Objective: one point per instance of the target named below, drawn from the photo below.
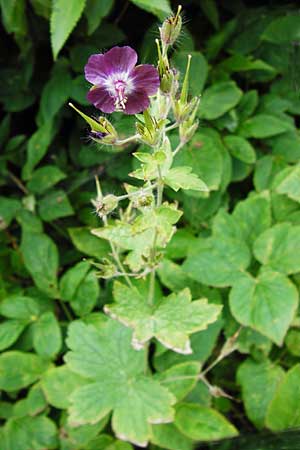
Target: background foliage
(238, 246)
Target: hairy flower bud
(102, 130)
(105, 205)
(150, 130)
(106, 269)
(171, 27)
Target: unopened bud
(149, 131)
(106, 269)
(105, 205)
(187, 130)
(102, 130)
(171, 27)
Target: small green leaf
(171, 322)
(182, 178)
(279, 248)
(88, 244)
(10, 330)
(20, 307)
(55, 92)
(44, 178)
(64, 16)
(167, 436)
(33, 404)
(202, 424)
(54, 206)
(267, 303)
(30, 433)
(95, 11)
(42, 264)
(80, 287)
(14, 16)
(25, 367)
(292, 342)
(284, 409)
(218, 99)
(159, 8)
(47, 339)
(288, 182)
(181, 378)
(8, 210)
(116, 382)
(37, 147)
(284, 29)
(240, 148)
(262, 126)
(58, 383)
(259, 381)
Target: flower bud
(187, 130)
(106, 269)
(171, 27)
(105, 205)
(149, 131)
(102, 130)
(168, 76)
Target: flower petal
(96, 71)
(137, 102)
(120, 59)
(100, 98)
(145, 78)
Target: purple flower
(118, 84)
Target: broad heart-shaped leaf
(279, 248)
(170, 322)
(259, 381)
(183, 178)
(218, 99)
(65, 14)
(284, 409)
(288, 182)
(115, 382)
(204, 154)
(253, 216)
(267, 303)
(217, 261)
(202, 423)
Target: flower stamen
(120, 99)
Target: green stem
(65, 310)
(117, 258)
